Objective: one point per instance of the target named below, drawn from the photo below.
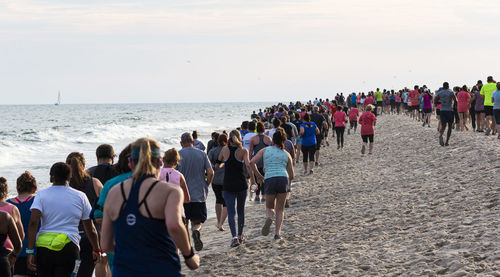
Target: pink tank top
(8, 244)
(171, 176)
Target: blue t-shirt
(309, 136)
(496, 97)
(354, 99)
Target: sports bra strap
(145, 197)
(124, 197)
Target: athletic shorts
(488, 110)
(196, 211)
(427, 110)
(219, 199)
(447, 117)
(365, 138)
(438, 111)
(319, 138)
(378, 104)
(353, 123)
(496, 114)
(275, 185)
(299, 141)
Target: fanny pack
(52, 241)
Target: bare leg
(270, 202)
(218, 210)
(370, 147)
(223, 216)
(280, 211)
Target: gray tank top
(259, 147)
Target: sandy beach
(413, 208)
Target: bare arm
(210, 175)
(32, 230)
(97, 186)
(17, 219)
(302, 131)
(107, 232)
(15, 239)
(254, 161)
(175, 227)
(91, 232)
(317, 131)
(246, 160)
(187, 197)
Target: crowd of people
(135, 216)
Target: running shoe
(267, 226)
(263, 200)
(311, 171)
(488, 131)
(235, 242)
(198, 244)
(305, 172)
(241, 239)
(363, 149)
(441, 141)
(277, 237)
(257, 199)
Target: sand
(413, 208)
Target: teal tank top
(275, 161)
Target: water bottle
(76, 268)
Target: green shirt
(487, 90)
(378, 95)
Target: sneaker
(286, 204)
(241, 239)
(198, 244)
(267, 226)
(327, 143)
(348, 131)
(498, 137)
(363, 149)
(277, 237)
(446, 144)
(235, 242)
(263, 200)
(441, 141)
(488, 131)
(311, 171)
(316, 164)
(338, 147)
(257, 199)
(305, 172)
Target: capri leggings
(340, 135)
(308, 153)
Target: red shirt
(463, 98)
(368, 100)
(413, 97)
(339, 118)
(353, 114)
(366, 120)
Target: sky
(236, 51)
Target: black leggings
(472, 113)
(340, 135)
(87, 266)
(56, 263)
(308, 153)
(4, 264)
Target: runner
(367, 121)
(10, 209)
(26, 189)
(58, 237)
(143, 219)
(234, 156)
(211, 143)
(251, 133)
(379, 98)
(297, 122)
(479, 109)
(340, 120)
(495, 98)
(447, 98)
(258, 143)
(196, 143)
(82, 181)
(353, 120)
(194, 165)
(308, 133)
(8, 229)
(427, 108)
(104, 170)
(279, 171)
(218, 182)
(487, 91)
(321, 123)
(463, 98)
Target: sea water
(33, 137)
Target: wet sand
(413, 208)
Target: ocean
(33, 137)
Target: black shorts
(488, 110)
(319, 138)
(275, 185)
(427, 110)
(479, 112)
(219, 199)
(438, 111)
(196, 211)
(496, 115)
(353, 124)
(367, 137)
(447, 117)
(21, 268)
(379, 104)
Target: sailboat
(58, 99)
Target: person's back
(103, 172)
(261, 145)
(353, 114)
(309, 136)
(318, 119)
(234, 177)
(275, 162)
(487, 90)
(446, 96)
(213, 156)
(462, 101)
(246, 139)
(366, 120)
(192, 165)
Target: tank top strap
(143, 201)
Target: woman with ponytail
(279, 172)
(235, 186)
(82, 181)
(142, 221)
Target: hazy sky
(253, 50)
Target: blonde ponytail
(144, 154)
(235, 138)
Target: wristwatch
(190, 255)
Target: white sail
(58, 99)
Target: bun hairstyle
(171, 157)
(144, 155)
(279, 138)
(222, 140)
(235, 138)
(4, 188)
(77, 163)
(26, 183)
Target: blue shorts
(447, 117)
(275, 185)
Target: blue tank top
(143, 246)
(275, 162)
(309, 136)
(25, 212)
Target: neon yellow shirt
(378, 95)
(487, 90)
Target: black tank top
(88, 189)
(259, 147)
(103, 172)
(234, 178)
